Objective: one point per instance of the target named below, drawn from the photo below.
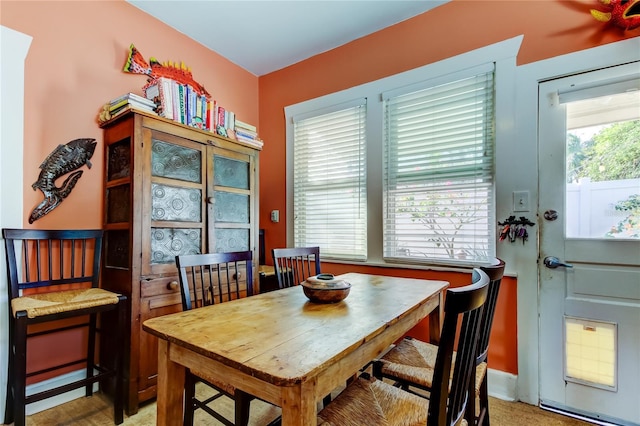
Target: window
(438, 180)
(400, 171)
(330, 208)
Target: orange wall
(74, 66)
(550, 28)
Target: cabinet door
(231, 200)
(173, 207)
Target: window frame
(502, 54)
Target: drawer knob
(210, 200)
(173, 285)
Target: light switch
(275, 216)
(521, 201)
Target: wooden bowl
(325, 288)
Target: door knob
(553, 262)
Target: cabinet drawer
(160, 286)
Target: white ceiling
(262, 36)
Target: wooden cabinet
(169, 189)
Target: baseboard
(502, 385)
(45, 404)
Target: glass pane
(232, 240)
(117, 249)
(118, 165)
(118, 204)
(176, 162)
(172, 203)
(230, 173)
(603, 175)
(167, 243)
(231, 207)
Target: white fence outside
(591, 209)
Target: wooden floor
(97, 410)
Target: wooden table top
(282, 338)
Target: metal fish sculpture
(137, 65)
(62, 160)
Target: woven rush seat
(378, 403)
(37, 305)
(413, 360)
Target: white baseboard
(45, 404)
(502, 385)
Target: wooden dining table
(286, 350)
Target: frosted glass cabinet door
(175, 192)
(231, 208)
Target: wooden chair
(412, 361)
(206, 279)
(54, 275)
(370, 401)
(294, 265)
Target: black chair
(411, 362)
(54, 275)
(294, 265)
(370, 401)
(207, 279)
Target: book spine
(176, 101)
(167, 107)
(221, 115)
(181, 91)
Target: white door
(589, 210)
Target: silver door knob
(553, 262)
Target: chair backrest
(211, 278)
(495, 271)
(464, 305)
(48, 259)
(294, 265)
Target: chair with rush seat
(412, 361)
(207, 279)
(370, 401)
(54, 275)
(294, 265)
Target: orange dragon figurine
(624, 14)
(137, 65)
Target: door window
(603, 164)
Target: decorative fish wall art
(136, 64)
(62, 160)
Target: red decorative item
(624, 14)
(137, 65)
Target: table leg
(170, 388)
(299, 406)
(435, 320)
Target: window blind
(329, 182)
(438, 172)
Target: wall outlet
(275, 216)
(521, 201)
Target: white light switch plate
(521, 201)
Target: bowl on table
(325, 288)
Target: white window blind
(329, 177)
(438, 177)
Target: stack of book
(246, 132)
(130, 101)
(179, 102)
